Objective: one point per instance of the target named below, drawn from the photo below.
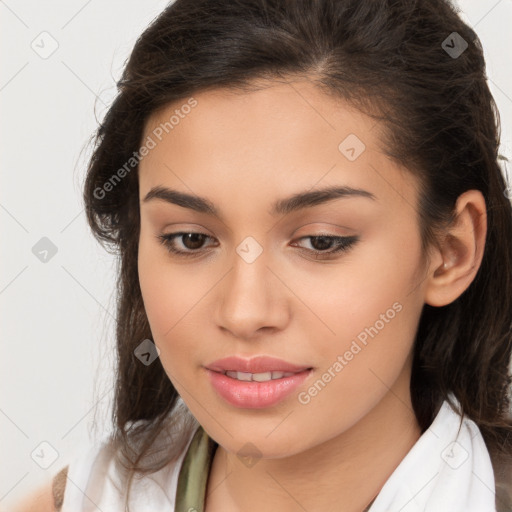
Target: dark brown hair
(387, 58)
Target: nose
(251, 299)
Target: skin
(243, 151)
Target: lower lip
(255, 395)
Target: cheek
(178, 306)
(170, 295)
(169, 290)
(366, 311)
(351, 294)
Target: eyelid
(319, 229)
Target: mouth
(248, 390)
(259, 377)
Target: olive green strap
(191, 489)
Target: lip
(252, 394)
(258, 364)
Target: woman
(315, 246)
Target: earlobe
(460, 252)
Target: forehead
(272, 141)
(290, 111)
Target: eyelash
(344, 243)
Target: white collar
(446, 470)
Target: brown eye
(192, 240)
(189, 242)
(322, 244)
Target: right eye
(191, 242)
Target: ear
(456, 261)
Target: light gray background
(58, 317)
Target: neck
(349, 469)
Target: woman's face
(253, 285)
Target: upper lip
(258, 364)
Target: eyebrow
(298, 201)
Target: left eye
(324, 243)
(192, 243)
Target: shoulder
(47, 497)
(55, 495)
(96, 472)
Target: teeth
(258, 377)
